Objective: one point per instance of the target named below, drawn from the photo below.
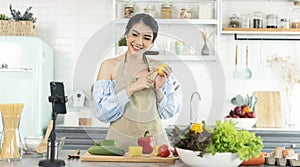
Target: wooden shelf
(184, 57)
(260, 31)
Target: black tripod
(52, 162)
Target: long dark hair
(143, 18)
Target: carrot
(255, 161)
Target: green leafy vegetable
(226, 138)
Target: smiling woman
(130, 94)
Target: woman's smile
(139, 38)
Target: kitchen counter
(29, 160)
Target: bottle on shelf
(295, 17)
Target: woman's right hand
(143, 82)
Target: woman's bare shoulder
(108, 67)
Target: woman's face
(139, 38)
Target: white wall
(67, 25)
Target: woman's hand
(162, 78)
(143, 82)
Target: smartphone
(57, 90)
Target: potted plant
(122, 45)
(19, 24)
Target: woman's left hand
(160, 80)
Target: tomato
(164, 150)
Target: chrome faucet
(191, 110)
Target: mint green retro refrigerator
(26, 68)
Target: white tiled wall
(65, 25)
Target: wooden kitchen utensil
(268, 109)
(236, 74)
(42, 147)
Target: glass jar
(166, 10)
(245, 21)
(149, 10)
(257, 20)
(272, 21)
(295, 18)
(129, 10)
(11, 145)
(234, 21)
(284, 23)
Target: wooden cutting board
(144, 158)
(268, 109)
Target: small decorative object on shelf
(185, 13)
(129, 10)
(166, 10)
(150, 10)
(284, 23)
(179, 47)
(205, 50)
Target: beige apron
(139, 116)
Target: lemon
(160, 69)
(197, 128)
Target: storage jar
(166, 10)
(257, 20)
(271, 20)
(234, 21)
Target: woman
(129, 94)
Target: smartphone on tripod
(57, 92)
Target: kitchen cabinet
(271, 137)
(176, 28)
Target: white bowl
(243, 123)
(192, 159)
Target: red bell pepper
(147, 142)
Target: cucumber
(106, 150)
(108, 142)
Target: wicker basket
(17, 28)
